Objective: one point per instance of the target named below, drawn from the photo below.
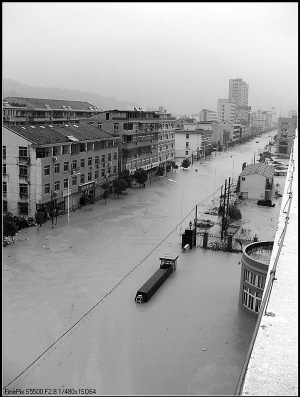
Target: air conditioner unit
(54, 158)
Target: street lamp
(232, 166)
(181, 203)
(206, 162)
(78, 173)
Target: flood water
(69, 295)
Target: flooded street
(69, 315)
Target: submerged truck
(168, 265)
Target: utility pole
(223, 215)
(228, 194)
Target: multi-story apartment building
(274, 117)
(207, 115)
(34, 111)
(225, 111)
(188, 143)
(285, 135)
(226, 134)
(238, 94)
(55, 165)
(147, 138)
(258, 119)
(292, 113)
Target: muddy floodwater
(69, 316)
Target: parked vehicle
(167, 266)
(266, 203)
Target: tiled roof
(34, 103)
(59, 134)
(258, 168)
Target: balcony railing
(24, 159)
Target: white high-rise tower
(238, 94)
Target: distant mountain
(14, 88)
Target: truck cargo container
(167, 266)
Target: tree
(234, 212)
(39, 217)
(140, 176)
(125, 174)
(9, 226)
(119, 185)
(160, 171)
(185, 163)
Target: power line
(102, 299)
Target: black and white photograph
(150, 198)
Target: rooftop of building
(46, 134)
(52, 104)
(260, 169)
(260, 251)
(271, 367)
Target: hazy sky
(177, 55)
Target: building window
(115, 169)
(103, 159)
(4, 206)
(96, 159)
(23, 151)
(187, 145)
(99, 126)
(187, 136)
(74, 180)
(89, 176)
(251, 299)
(90, 161)
(23, 189)
(82, 163)
(4, 169)
(243, 178)
(96, 174)
(186, 153)
(23, 170)
(74, 164)
(66, 166)
(4, 189)
(66, 183)
(115, 155)
(47, 188)
(56, 186)
(47, 170)
(65, 149)
(82, 178)
(4, 152)
(109, 157)
(102, 173)
(23, 208)
(116, 126)
(56, 168)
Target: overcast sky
(177, 55)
